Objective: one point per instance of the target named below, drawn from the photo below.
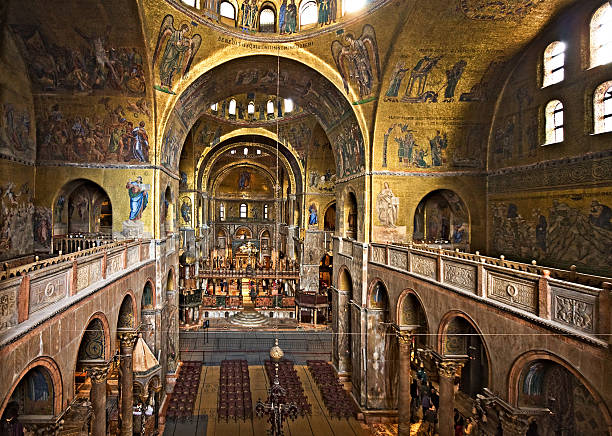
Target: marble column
(404, 398)
(344, 335)
(447, 370)
(127, 339)
(97, 375)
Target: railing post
(544, 303)
(481, 280)
(125, 259)
(73, 282)
(605, 312)
(23, 305)
(104, 263)
(386, 255)
(440, 266)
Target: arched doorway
(441, 217)
(168, 211)
(461, 338)
(34, 395)
(82, 207)
(546, 382)
(82, 216)
(329, 219)
(350, 216)
(410, 312)
(147, 315)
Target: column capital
(49, 428)
(404, 332)
(98, 372)
(513, 424)
(127, 338)
(448, 368)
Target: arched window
(265, 211)
(243, 210)
(554, 62)
(270, 107)
(308, 13)
(214, 107)
(192, 3)
(602, 107)
(601, 35)
(349, 6)
(554, 122)
(251, 108)
(226, 9)
(267, 20)
(288, 105)
(222, 212)
(232, 107)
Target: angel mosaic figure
(357, 60)
(179, 49)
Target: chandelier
(275, 407)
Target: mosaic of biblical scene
(433, 78)
(348, 143)
(17, 132)
(565, 230)
(92, 65)
(497, 10)
(420, 146)
(16, 227)
(172, 144)
(357, 61)
(174, 52)
(104, 131)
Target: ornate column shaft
(404, 398)
(127, 339)
(98, 374)
(447, 370)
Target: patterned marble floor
(318, 424)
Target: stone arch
(101, 325)
(329, 217)
(345, 281)
(378, 295)
(573, 390)
(411, 311)
(350, 207)
(324, 98)
(468, 340)
(147, 300)
(450, 223)
(247, 231)
(170, 284)
(52, 370)
(127, 317)
(168, 210)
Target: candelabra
(275, 407)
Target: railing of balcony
(579, 303)
(29, 288)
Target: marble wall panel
(48, 290)
(521, 294)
